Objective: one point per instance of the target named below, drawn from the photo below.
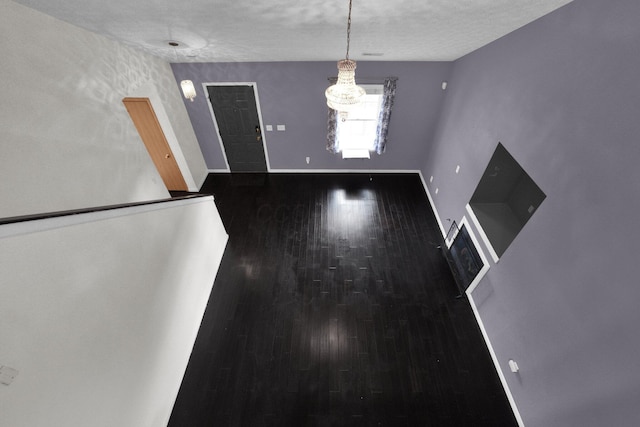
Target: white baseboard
(476, 313)
(496, 363)
(433, 206)
(371, 171)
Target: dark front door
(236, 114)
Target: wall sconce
(188, 89)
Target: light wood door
(236, 114)
(146, 122)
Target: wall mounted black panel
(504, 200)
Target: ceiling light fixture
(345, 94)
(188, 90)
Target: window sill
(355, 154)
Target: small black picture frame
(464, 259)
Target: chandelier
(345, 94)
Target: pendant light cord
(349, 29)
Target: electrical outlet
(307, 159)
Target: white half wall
(100, 315)
(67, 140)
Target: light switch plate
(7, 375)
(281, 128)
(269, 128)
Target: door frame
(254, 85)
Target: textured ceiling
(300, 30)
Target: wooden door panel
(146, 122)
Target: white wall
(100, 317)
(67, 140)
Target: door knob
(166, 156)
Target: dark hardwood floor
(334, 307)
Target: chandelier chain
(344, 95)
(349, 29)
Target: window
(357, 133)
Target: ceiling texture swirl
(296, 30)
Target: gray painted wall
(293, 94)
(563, 95)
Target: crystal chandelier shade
(343, 95)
